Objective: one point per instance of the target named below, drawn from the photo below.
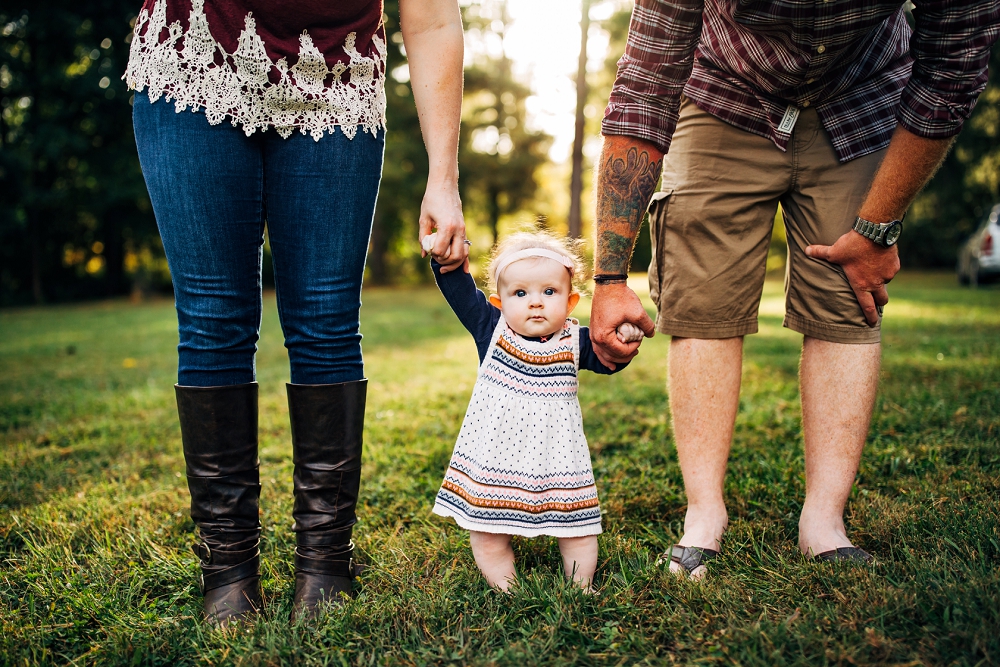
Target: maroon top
(279, 25)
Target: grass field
(94, 533)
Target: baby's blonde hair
(567, 247)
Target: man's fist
(613, 306)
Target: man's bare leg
(704, 386)
(838, 384)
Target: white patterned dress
(521, 465)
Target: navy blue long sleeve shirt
(480, 317)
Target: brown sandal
(688, 558)
(845, 553)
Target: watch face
(892, 234)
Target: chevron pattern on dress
(562, 370)
(489, 476)
(524, 504)
(590, 516)
(559, 355)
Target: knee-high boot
(327, 424)
(219, 431)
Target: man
(838, 111)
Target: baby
(521, 465)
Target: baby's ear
(574, 299)
(495, 300)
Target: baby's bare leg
(494, 557)
(579, 556)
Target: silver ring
(467, 242)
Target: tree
(576, 176)
(75, 215)
(498, 154)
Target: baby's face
(535, 296)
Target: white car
(979, 257)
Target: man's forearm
(909, 163)
(628, 175)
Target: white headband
(528, 253)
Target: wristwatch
(884, 234)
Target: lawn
(95, 566)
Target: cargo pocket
(657, 223)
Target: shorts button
(820, 49)
(805, 104)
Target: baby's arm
(474, 311)
(589, 360)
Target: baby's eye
(520, 292)
(549, 291)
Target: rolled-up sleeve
(951, 50)
(658, 58)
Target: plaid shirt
(753, 63)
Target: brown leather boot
(327, 424)
(219, 431)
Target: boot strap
(220, 557)
(245, 570)
(329, 538)
(333, 568)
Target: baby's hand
(629, 333)
(427, 243)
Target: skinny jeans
(213, 190)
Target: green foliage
(76, 219)
(94, 531)
(498, 155)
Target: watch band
(607, 278)
(877, 232)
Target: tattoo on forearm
(624, 189)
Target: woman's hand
(441, 210)
(434, 41)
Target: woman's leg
(579, 556)
(494, 557)
(320, 203)
(205, 186)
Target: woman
(287, 129)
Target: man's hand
(612, 306)
(869, 268)
(441, 208)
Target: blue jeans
(213, 189)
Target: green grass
(95, 566)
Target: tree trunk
(494, 206)
(114, 254)
(34, 234)
(576, 180)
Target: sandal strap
(845, 553)
(690, 558)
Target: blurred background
(76, 222)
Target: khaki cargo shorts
(711, 228)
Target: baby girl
(521, 464)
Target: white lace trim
(239, 88)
